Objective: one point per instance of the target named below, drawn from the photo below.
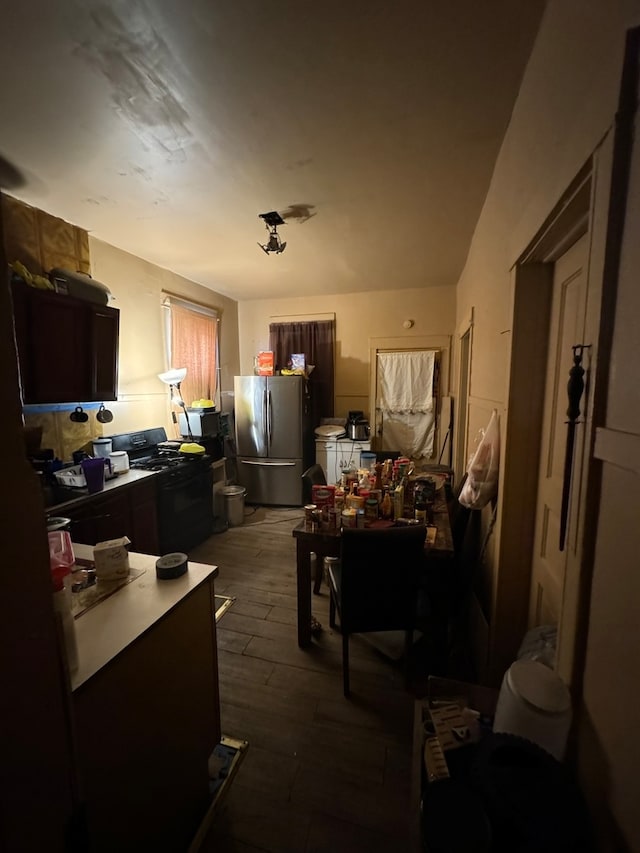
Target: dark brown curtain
(316, 340)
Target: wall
(137, 286)
(566, 105)
(359, 317)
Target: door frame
(582, 209)
(440, 343)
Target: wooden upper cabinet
(67, 347)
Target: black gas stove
(185, 486)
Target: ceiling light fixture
(274, 243)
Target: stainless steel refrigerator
(273, 429)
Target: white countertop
(103, 631)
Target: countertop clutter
(60, 498)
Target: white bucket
(233, 497)
(534, 703)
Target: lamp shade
(173, 376)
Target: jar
(338, 499)
(348, 517)
(371, 510)
(308, 516)
(354, 501)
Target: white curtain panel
(411, 433)
(406, 381)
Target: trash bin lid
(233, 490)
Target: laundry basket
(233, 497)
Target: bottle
(386, 507)
(62, 607)
(378, 480)
(420, 511)
(398, 502)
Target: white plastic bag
(481, 485)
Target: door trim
(531, 291)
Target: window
(191, 334)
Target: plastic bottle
(62, 607)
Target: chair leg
(345, 664)
(332, 611)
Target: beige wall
(137, 286)
(359, 317)
(566, 106)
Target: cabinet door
(144, 519)
(101, 518)
(54, 363)
(67, 347)
(112, 517)
(104, 352)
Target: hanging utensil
(575, 389)
(78, 415)
(104, 415)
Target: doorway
(566, 329)
(533, 373)
(441, 344)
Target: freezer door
(250, 402)
(285, 417)
(276, 482)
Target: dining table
(326, 543)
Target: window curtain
(406, 388)
(194, 346)
(317, 341)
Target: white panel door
(566, 330)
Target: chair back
(379, 573)
(313, 476)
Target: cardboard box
(265, 363)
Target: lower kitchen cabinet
(128, 511)
(147, 710)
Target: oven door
(185, 509)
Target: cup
(93, 470)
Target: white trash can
(233, 497)
(534, 703)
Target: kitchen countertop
(106, 629)
(59, 498)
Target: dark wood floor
(322, 773)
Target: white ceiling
(165, 127)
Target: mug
(93, 470)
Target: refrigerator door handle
(268, 419)
(268, 464)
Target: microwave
(203, 424)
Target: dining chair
(374, 587)
(313, 476)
